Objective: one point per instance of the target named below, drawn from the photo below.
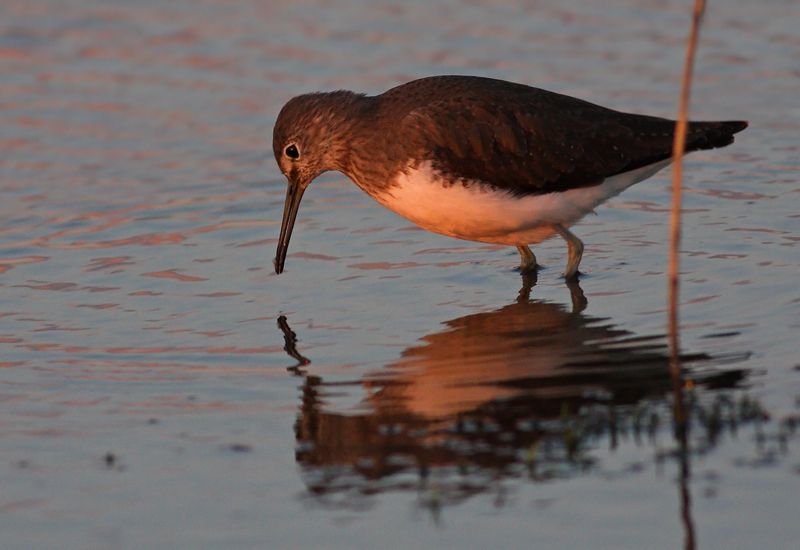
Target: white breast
(478, 212)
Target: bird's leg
(575, 250)
(528, 263)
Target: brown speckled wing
(530, 141)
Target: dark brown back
(528, 140)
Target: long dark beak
(294, 193)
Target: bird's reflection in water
(530, 390)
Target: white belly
(478, 212)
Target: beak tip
(294, 193)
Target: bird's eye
(291, 151)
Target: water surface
(160, 386)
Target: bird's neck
(361, 146)
(348, 123)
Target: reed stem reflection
(681, 434)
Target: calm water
(161, 387)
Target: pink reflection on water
(115, 264)
(65, 287)
(386, 266)
(173, 274)
(98, 306)
(154, 350)
(7, 264)
(732, 195)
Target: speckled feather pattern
(515, 138)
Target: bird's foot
(527, 260)
(526, 270)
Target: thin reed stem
(678, 148)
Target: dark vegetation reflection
(534, 390)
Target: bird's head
(309, 138)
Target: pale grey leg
(575, 250)
(528, 262)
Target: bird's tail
(710, 135)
